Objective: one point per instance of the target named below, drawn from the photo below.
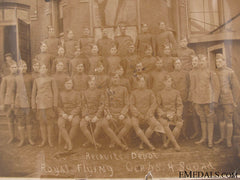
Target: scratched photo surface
(119, 89)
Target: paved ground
(32, 161)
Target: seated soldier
(142, 106)
(92, 112)
(130, 61)
(102, 79)
(123, 81)
(170, 108)
(93, 60)
(148, 60)
(68, 112)
(116, 110)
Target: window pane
(9, 14)
(212, 21)
(195, 5)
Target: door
(24, 43)
(10, 41)
(212, 51)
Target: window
(203, 15)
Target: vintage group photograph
(102, 89)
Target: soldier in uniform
(61, 58)
(170, 110)
(93, 60)
(130, 61)
(192, 75)
(78, 58)
(157, 76)
(181, 83)
(35, 67)
(105, 44)
(80, 78)
(123, 81)
(60, 76)
(44, 57)
(44, 103)
(116, 110)
(122, 41)
(148, 60)
(70, 45)
(22, 98)
(142, 106)
(52, 42)
(137, 76)
(185, 54)
(92, 112)
(168, 60)
(113, 61)
(7, 95)
(204, 93)
(5, 65)
(85, 42)
(143, 39)
(229, 98)
(69, 109)
(164, 38)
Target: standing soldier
(181, 83)
(164, 38)
(22, 98)
(204, 93)
(192, 75)
(185, 54)
(61, 58)
(68, 112)
(142, 106)
(70, 45)
(144, 39)
(123, 41)
(78, 58)
(130, 61)
(93, 60)
(52, 42)
(157, 76)
(80, 78)
(92, 112)
(35, 67)
(85, 42)
(170, 110)
(44, 57)
(8, 86)
(105, 44)
(148, 60)
(228, 100)
(44, 103)
(116, 108)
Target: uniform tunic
(136, 77)
(75, 61)
(44, 93)
(85, 44)
(123, 41)
(80, 81)
(112, 63)
(52, 44)
(181, 83)
(156, 80)
(93, 103)
(93, 62)
(143, 40)
(168, 62)
(65, 62)
(163, 39)
(8, 87)
(104, 46)
(184, 54)
(169, 101)
(117, 101)
(47, 59)
(69, 103)
(60, 78)
(149, 63)
(70, 47)
(130, 64)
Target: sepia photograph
(123, 89)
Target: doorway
(10, 41)
(212, 51)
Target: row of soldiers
(116, 91)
